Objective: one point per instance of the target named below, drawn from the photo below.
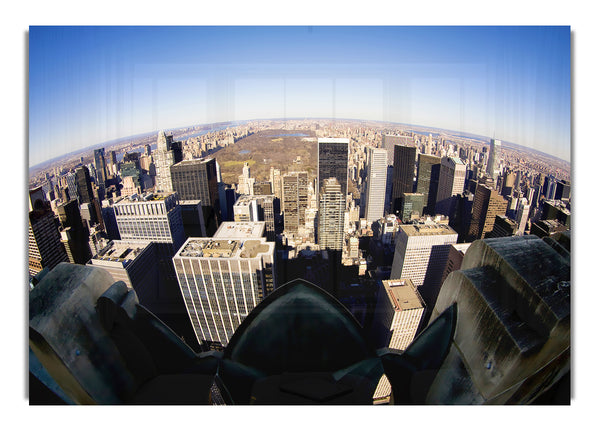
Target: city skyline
(89, 85)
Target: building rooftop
(335, 140)
(402, 294)
(246, 199)
(424, 229)
(194, 161)
(225, 248)
(148, 197)
(240, 230)
(120, 251)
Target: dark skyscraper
(84, 185)
(404, 171)
(75, 235)
(333, 162)
(44, 249)
(197, 180)
(428, 177)
(486, 206)
(100, 164)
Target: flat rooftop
(335, 140)
(194, 161)
(240, 230)
(244, 200)
(225, 248)
(148, 197)
(121, 250)
(425, 229)
(402, 294)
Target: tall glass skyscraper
(333, 162)
(376, 184)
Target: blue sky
(88, 85)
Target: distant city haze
(90, 85)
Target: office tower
(109, 219)
(295, 200)
(389, 143)
(563, 190)
(452, 182)
(508, 184)
(44, 248)
(158, 218)
(331, 216)
(167, 153)
(556, 210)
(376, 183)
(227, 198)
(134, 263)
(397, 317)
(84, 185)
(456, 253)
(503, 226)
(261, 188)
(421, 254)
(224, 277)
(522, 215)
(196, 179)
(275, 178)
(112, 157)
(487, 204)
(256, 208)
(428, 178)
(332, 162)
(153, 217)
(192, 216)
(411, 206)
(404, 172)
(101, 174)
(74, 234)
(494, 159)
(543, 228)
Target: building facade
(332, 162)
(404, 172)
(397, 318)
(376, 184)
(167, 153)
(223, 278)
(331, 216)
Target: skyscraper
(404, 172)
(44, 249)
(224, 277)
(332, 162)
(421, 255)
(74, 234)
(153, 217)
(295, 200)
(428, 178)
(376, 184)
(487, 204)
(196, 179)
(397, 318)
(331, 216)
(101, 173)
(453, 172)
(390, 141)
(494, 159)
(84, 185)
(167, 153)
